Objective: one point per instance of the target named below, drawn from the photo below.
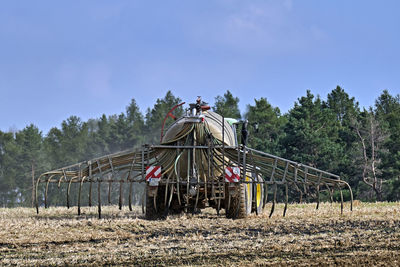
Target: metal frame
(274, 170)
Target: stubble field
(369, 235)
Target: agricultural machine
(199, 163)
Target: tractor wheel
(258, 192)
(155, 208)
(241, 200)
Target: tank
(206, 121)
(201, 137)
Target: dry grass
(367, 236)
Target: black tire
(155, 209)
(240, 202)
(228, 203)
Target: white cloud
(258, 28)
(288, 4)
(317, 33)
(91, 78)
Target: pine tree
(135, 125)
(30, 160)
(345, 110)
(265, 126)
(156, 115)
(387, 109)
(7, 169)
(311, 134)
(69, 144)
(227, 106)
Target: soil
(369, 235)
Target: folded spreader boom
(198, 164)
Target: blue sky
(86, 58)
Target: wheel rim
(258, 195)
(249, 187)
(248, 179)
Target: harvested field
(369, 235)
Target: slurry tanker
(198, 163)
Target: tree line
(335, 134)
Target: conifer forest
(333, 133)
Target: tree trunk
(33, 185)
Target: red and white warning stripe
(232, 174)
(153, 175)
